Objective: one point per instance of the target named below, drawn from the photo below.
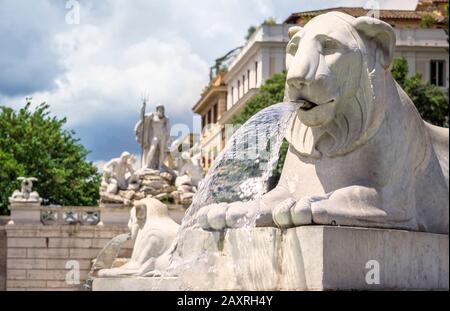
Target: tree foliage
(427, 21)
(271, 92)
(250, 31)
(430, 100)
(33, 143)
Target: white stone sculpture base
(305, 258)
(27, 212)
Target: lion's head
(335, 64)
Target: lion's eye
(329, 46)
(292, 48)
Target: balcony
(264, 33)
(421, 37)
(227, 116)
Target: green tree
(250, 31)
(430, 100)
(400, 70)
(271, 92)
(33, 143)
(427, 21)
(270, 21)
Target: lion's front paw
(291, 213)
(227, 215)
(213, 216)
(282, 213)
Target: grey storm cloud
(28, 62)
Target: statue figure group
(119, 173)
(152, 133)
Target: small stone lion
(359, 153)
(153, 233)
(26, 192)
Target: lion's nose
(297, 83)
(302, 75)
(303, 68)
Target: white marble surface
(119, 173)
(304, 258)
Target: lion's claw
(291, 213)
(282, 213)
(301, 213)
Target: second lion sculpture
(359, 153)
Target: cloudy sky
(94, 72)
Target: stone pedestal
(305, 258)
(25, 212)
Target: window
(215, 114)
(248, 80)
(272, 65)
(223, 137)
(256, 74)
(209, 116)
(437, 72)
(239, 88)
(232, 95)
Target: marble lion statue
(26, 192)
(153, 233)
(359, 152)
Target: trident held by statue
(144, 99)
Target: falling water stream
(240, 173)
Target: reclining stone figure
(119, 174)
(153, 233)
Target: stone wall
(44, 248)
(42, 257)
(3, 221)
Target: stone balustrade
(69, 215)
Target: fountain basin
(303, 258)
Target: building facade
(262, 56)
(211, 106)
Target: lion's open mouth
(306, 105)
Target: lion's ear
(293, 30)
(382, 33)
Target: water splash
(241, 171)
